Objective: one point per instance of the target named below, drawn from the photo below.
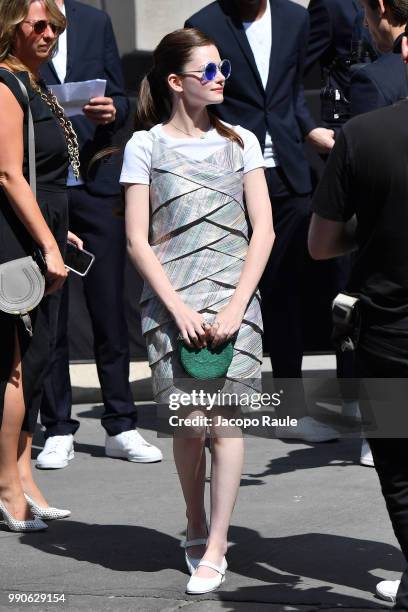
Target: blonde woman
(28, 34)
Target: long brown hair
(155, 101)
(12, 13)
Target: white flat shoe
(35, 524)
(198, 586)
(192, 562)
(47, 514)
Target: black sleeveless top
(51, 165)
(51, 149)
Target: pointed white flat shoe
(46, 514)
(198, 586)
(35, 524)
(192, 562)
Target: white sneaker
(132, 446)
(308, 429)
(366, 458)
(57, 452)
(387, 590)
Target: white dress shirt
(259, 34)
(60, 64)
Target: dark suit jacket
(334, 24)
(381, 83)
(92, 54)
(281, 108)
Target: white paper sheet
(74, 96)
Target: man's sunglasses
(210, 70)
(41, 25)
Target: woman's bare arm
(17, 189)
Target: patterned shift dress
(199, 233)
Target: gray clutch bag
(22, 283)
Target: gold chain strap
(69, 132)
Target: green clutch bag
(206, 363)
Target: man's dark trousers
(391, 462)
(92, 53)
(280, 287)
(93, 218)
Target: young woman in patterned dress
(185, 174)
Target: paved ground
(310, 531)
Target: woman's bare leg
(11, 491)
(189, 457)
(25, 469)
(227, 458)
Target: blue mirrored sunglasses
(209, 72)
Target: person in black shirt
(361, 204)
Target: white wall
(140, 24)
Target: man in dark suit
(336, 27)
(88, 51)
(383, 82)
(331, 31)
(266, 43)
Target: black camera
(334, 104)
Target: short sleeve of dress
(137, 160)
(253, 157)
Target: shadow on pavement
(121, 548)
(284, 565)
(342, 453)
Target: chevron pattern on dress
(199, 233)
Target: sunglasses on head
(210, 70)
(41, 25)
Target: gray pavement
(310, 532)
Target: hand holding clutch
(208, 362)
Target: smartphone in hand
(78, 261)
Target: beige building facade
(140, 24)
